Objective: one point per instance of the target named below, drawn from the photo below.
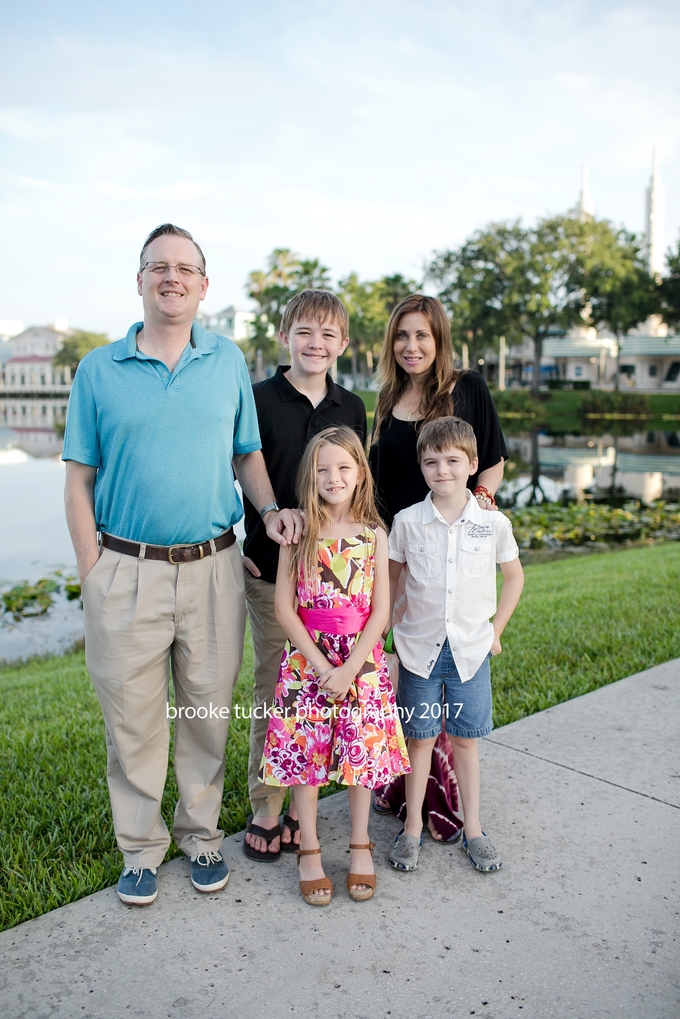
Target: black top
(287, 422)
(399, 479)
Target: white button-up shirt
(450, 583)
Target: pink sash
(338, 621)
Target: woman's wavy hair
(303, 558)
(436, 400)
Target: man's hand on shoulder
(285, 527)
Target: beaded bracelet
(486, 495)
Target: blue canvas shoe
(138, 886)
(209, 872)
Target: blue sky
(364, 133)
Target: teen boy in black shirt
(292, 406)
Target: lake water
(34, 542)
(645, 466)
(34, 539)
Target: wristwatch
(268, 508)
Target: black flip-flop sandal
(293, 825)
(268, 834)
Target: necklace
(415, 414)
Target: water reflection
(645, 466)
(35, 538)
(35, 426)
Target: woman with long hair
(419, 382)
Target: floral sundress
(311, 739)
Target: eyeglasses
(160, 269)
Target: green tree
(517, 282)
(478, 283)
(395, 288)
(76, 346)
(370, 304)
(310, 274)
(610, 275)
(509, 281)
(284, 275)
(669, 290)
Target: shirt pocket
(476, 556)
(422, 558)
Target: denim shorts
(466, 707)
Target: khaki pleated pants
(140, 618)
(269, 641)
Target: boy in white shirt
(450, 547)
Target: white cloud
(35, 125)
(366, 133)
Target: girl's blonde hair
(436, 400)
(304, 555)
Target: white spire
(586, 205)
(654, 220)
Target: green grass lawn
(581, 623)
(586, 622)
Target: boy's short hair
(443, 433)
(315, 306)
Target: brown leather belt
(174, 554)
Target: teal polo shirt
(163, 441)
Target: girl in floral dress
(335, 717)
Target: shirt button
(450, 590)
(437, 645)
(422, 548)
(165, 375)
(450, 560)
(476, 548)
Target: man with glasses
(156, 421)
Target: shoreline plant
(554, 526)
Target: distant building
(586, 205)
(30, 370)
(650, 363)
(655, 208)
(233, 322)
(647, 359)
(583, 355)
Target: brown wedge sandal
(361, 879)
(319, 884)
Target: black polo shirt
(287, 422)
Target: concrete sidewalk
(582, 799)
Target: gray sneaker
(405, 851)
(482, 854)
